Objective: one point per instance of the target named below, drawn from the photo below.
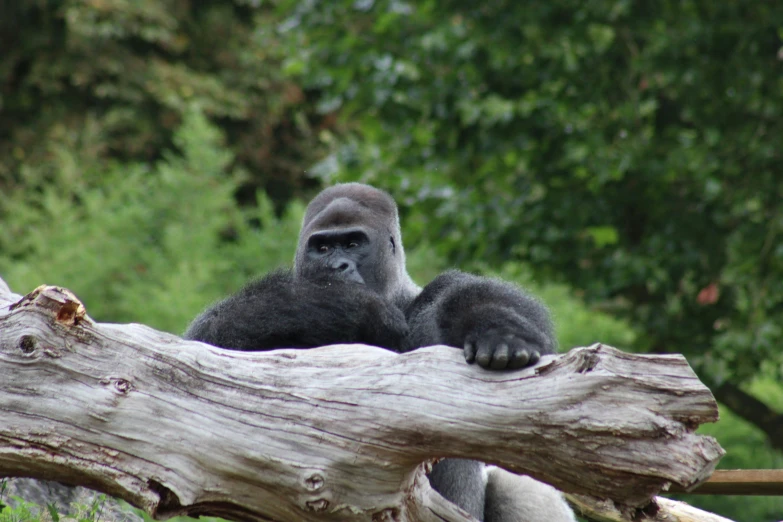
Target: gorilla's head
(351, 232)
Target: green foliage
(23, 512)
(53, 512)
(148, 243)
(579, 325)
(130, 70)
(148, 518)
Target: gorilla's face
(342, 253)
(351, 233)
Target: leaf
(52, 508)
(603, 236)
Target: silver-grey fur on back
(524, 499)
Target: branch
(178, 427)
(753, 411)
(740, 482)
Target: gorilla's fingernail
(517, 361)
(483, 358)
(535, 357)
(500, 357)
(521, 357)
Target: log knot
(318, 505)
(27, 344)
(314, 482)
(122, 386)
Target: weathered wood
(740, 482)
(334, 433)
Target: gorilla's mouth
(323, 275)
(351, 277)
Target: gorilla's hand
(384, 323)
(349, 312)
(352, 312)
(499, 339)
(498, 325)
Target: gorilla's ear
(394, 247)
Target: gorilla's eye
(323, 249)
(353, 244)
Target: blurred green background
(622, 159)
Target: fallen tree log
(334, 433)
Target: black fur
(350, 285)
(280, 311)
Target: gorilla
(350, 285)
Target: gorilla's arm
(500, 327)
(497, 324)
(279, 311)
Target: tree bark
(333, 433)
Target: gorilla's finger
(500, 357)
(519, 358)
(484, 354)
(534, 357)
(470, 351)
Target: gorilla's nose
(346, 268)
(343, 264)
